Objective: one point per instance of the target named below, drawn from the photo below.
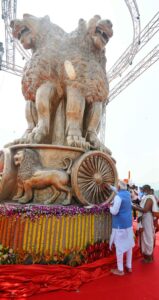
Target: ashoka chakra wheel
(90, 173)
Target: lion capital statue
(64, 83)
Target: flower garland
(74, 257)
(33, 211)
(7, 256)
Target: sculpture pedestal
(54, 172)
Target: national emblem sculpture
(65, 80)
(54, 179)
(65, 87)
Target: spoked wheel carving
(90, 174)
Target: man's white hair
(122, 185)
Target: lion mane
(29, 162)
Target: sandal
(117, 272)
(128, 270)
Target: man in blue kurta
(122, 231)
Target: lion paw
(96, 144)
(77, 141)
(49, 201)
(37, 136)
(24, 200)
(66, 202)
(16, 197)
(92, 138)
(17, 142)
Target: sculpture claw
(95, 143)
(78, 141)
(24, 200)
(66, 202)
(37, 136)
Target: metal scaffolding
(149, 31)
(139, 69)
(126, 58)
(12, 69)
(8, 13)
(128, 55)
(9, 9)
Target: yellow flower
(10, 251)
(5, 256)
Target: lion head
(31, 30)
(28, 161)
(27, 29)
(103, 32)
(18, 157)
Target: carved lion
(65, 80)
(31, 175)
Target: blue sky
(132, 117)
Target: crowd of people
(141, 205)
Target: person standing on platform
(135, 199)
(122, 235)
(148, 208)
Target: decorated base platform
(44, 280)
(37, 233)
